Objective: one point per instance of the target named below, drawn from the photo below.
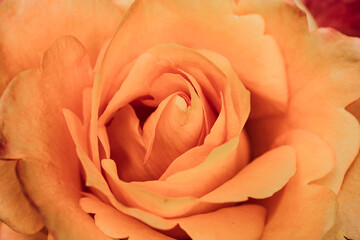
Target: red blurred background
(343, 15)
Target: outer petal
(96, 182)
(260, 179)
(348, 219)
(7, 233)
(323, 70)
(27, 30)
(194, 30)
(35, 132)
(118, 225)
(15, 209)
(303, 210)
(240, 222)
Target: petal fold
(35, 130)
(15, 209)
(88, 19)
(240, 222)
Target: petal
(150, 202)
(239, 94)
(123, 4)
(250, 182)
(301, 204)
(35, 132)
(348, 217)
(348, 220)
(285, 22)
(127, 145)
(15, 209)
(178, 129)
(259, 179)
(97, 184)
(84, 20)
(219, 164)
(323, 69)
(326, 116)
(240, 222)
(268, 79)
(9, 234)
(118, 225)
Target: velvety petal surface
(118, 225)
(348, 217)
(303, 210)
(259, 179)
(240, 222)
(27, 30)
(192, 27)
(98, 185)
(35, 132)
(7, 233)
(127, 145)
(323, 69)
(15, 209)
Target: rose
(343, 16)
(283, 128)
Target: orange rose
(199, 119)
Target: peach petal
(240, 222)
(223, 161)
(128, 147)
(123, 4)
(134, 86)
(7, 233)
(150, 202)
(282, 165)
(89, 19)
(313, 206)
(347, 220)
(161, 59)
(177, 130)
(38, 97)
(188, 160)
(348, 217)
(86, 101)
(246, 32)
(288, 29)
(302, 212)
(97, 183)
(344, 134)
(220, 165)
(260, 179)
(104, 140)
(210, 115)
(209, 77)
(330, 81)
(116, 224)
(315, 166)
(239, 94)
(15, 209)
(218, 133)
(166, 84)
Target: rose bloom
(181, 119)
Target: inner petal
(172, 130)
